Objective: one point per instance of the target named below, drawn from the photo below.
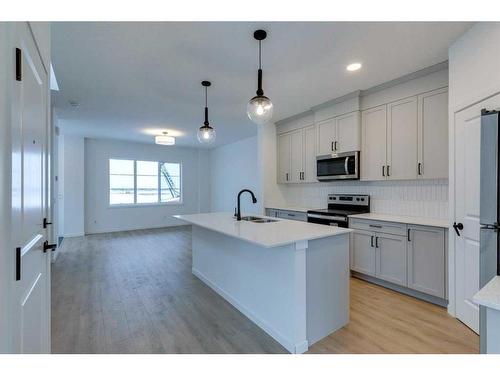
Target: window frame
(151, 204)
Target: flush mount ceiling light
(165, 139)
(206, 134)
(260, 107)
(353, 67)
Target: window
(144, 182)
(170, 182)
(121, 181)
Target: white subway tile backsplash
(427, 198)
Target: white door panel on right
(467, 145)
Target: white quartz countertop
(489, 295)
(291, 208)
(279, 233)
(417, 220)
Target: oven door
(344, 166)
(335, 221)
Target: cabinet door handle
(376, 242)
(419, 169)
(383, 171)
(371, 241)
(388, 171)
(408, 235)
(335, 144)
(333, 149)
(18, 263)
(287, 176)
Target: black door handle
(457, 227)
(45, 222)
(371, 241)
(51, 247)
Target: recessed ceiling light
(166, 140)
(353, 67)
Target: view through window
(144, 182)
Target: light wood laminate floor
(133, 292)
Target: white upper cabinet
(309, 170)
(284, 161)
(297, 156)
(348, 129)
(406, 139)
(433, 134)
(374, 140)
(339, 134)
(326, 137)
(402, 139)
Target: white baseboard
(297, 348)
(115, 230)
(69, 235)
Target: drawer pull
(374, 226)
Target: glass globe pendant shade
(260, 109)
(206, 135)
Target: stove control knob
(357, 199)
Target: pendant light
(206, 134)
(260, 107)
(165, 139)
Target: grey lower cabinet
(363, 252)
(426, 260)
(390, 258)
(380, 255)
(414, 258)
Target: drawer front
(292, 215)
(271, 212)
(398, 229)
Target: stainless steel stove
(340, 206)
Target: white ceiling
(133, 80)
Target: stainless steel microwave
(343, 166)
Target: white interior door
(31, 305)
(467, 201)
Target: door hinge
(18, 263)
(47, 246)
(18, 65)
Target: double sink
(256, 219)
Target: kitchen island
(290, 278)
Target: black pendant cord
(206, 123)
(260, 92)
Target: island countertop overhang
(279, 233)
